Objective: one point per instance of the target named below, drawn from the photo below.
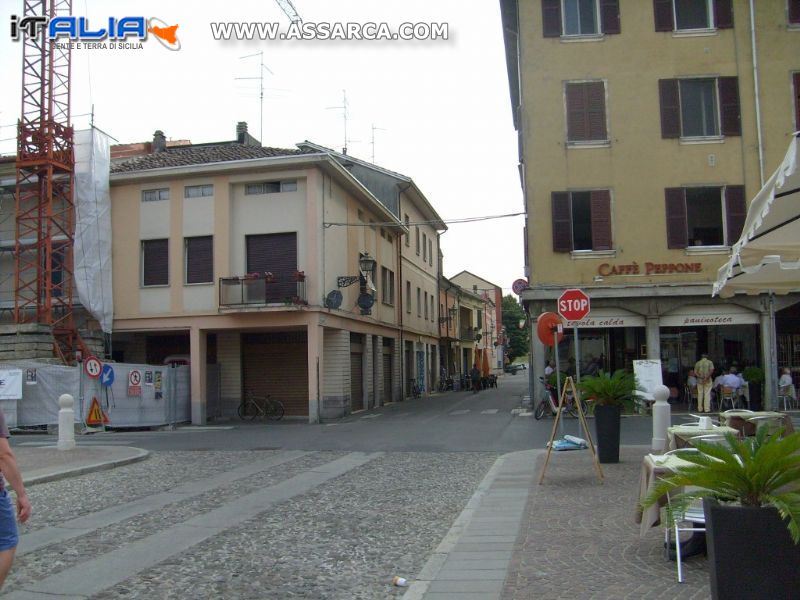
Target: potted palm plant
(754, 376)
(609, 393)
(751, 499)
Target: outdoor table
(654, 467)
(739, 420)
(680, 436)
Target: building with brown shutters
(250, 258)
(645, 126)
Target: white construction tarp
(92, 249)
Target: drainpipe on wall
(400, 244)
(756, 93)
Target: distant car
(512, 369)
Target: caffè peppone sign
(649, 268)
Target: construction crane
(291, 12)
(45, 167)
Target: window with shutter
(729, 111)
(274, 253)
(723, 14)
(551, 18)
(199, 259)
(662, 11)
(586, 112)
(581, 220)
(692, 14)
(155, 262)
(601, 220)
(796, 79)
(794, 12)
(609, 16)
(580, 17)
(676, 218)
(698, 108)
(562, 222)
(735, 212)
(670, 108)
(704, 216)
(408, 297)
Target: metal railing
(261, 290)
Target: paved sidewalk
(48, 463)
(571, 537)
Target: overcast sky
(442, 106)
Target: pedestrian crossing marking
(373, 416)
(459, 412)
(490, 411)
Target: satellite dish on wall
(333, 299)
(365, 301)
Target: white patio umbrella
(766, 259)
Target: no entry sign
(573, 305)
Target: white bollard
(66, 422)
(662, 417)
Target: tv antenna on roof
(374, 129)
(343, 108)
(260, 77)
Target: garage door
(356, 382)
(277, 364)
(387, 378)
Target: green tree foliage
(517, 338)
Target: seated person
(691, 380)
(550, 368)
(786, 385)
(732, 380)
(718, 379)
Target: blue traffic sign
(107, 376)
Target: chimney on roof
(159, 141)
(243, 137)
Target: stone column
(652, 337)
(765, 330)
(197, 347)
(315, 354)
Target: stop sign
(573, 305)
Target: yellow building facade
(645, 127)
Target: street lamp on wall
(367, 266)
(452, 315)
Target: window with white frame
(198, 191)
(700, 107)
(155, 195)
(387, 286)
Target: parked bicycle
(253, 406)
(549, 402)
(416, 392)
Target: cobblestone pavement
(259, 524)
(579, 538)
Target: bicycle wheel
(540, 410)
(247, 410)
(274, 409)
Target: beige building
(492, 319)
(645, 128)
(251, 258)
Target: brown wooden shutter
(730, 113)
(601, 220)
(551, 18)
(796, 79)
(735, 212)
(200, 259)
(275, 253)
(723, 14)
(670, 108)
(155, 267)
(609, 16)
(662, 10)
(562, 222)
(577, 126)
(677, 235)
(596, 110)
(794, 11)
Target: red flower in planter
(299, 275)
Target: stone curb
(140, 455)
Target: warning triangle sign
(96, 415)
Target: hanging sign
(135, 383)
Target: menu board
(648, 376)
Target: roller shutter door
(277, 364)
(387, 378)
(356, 382)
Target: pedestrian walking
(703, 370)
(9, 537)
(475, 376)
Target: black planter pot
(750, 552)
(756, 402)
(606, 426)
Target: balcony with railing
(262, 290)
(469, 334)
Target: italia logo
(113, 29)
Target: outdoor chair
(786, 395)
(690, 393)
(727, 394)
(682, 519)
